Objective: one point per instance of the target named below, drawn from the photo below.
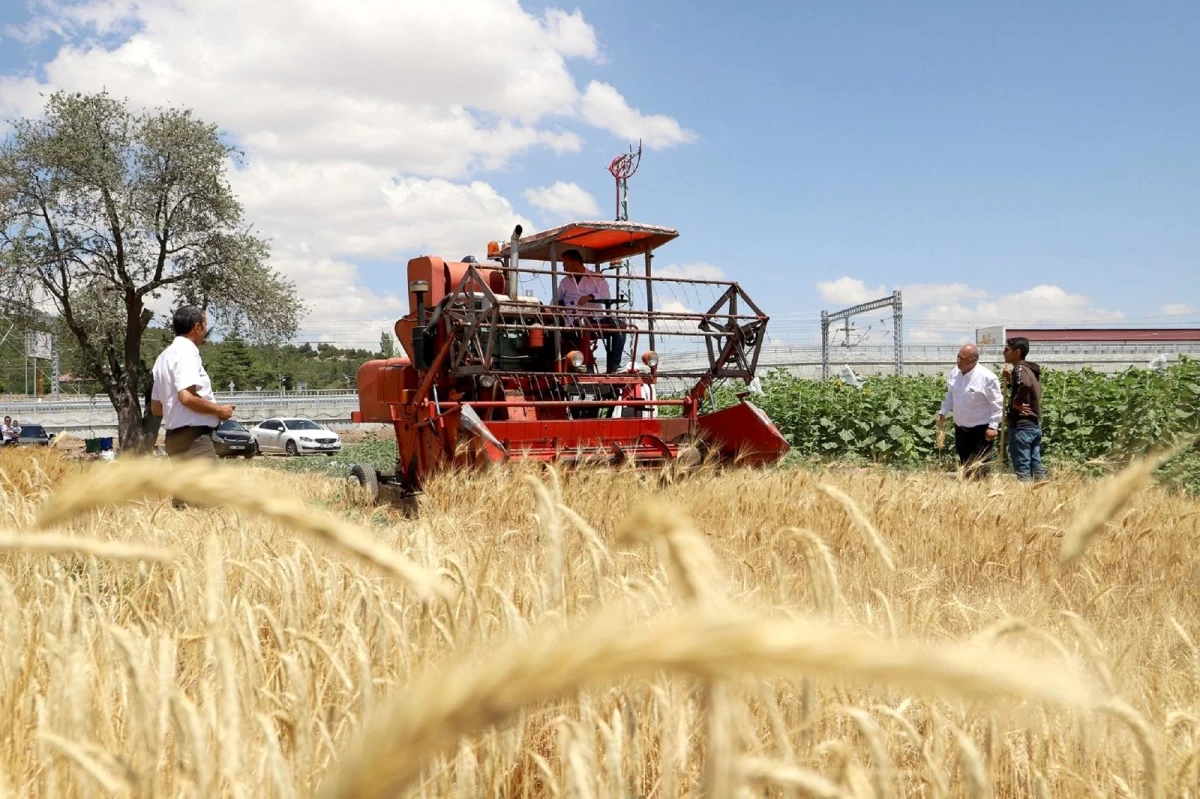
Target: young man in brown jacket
(1024, 411)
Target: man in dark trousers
(1024, 411)
(974, 399)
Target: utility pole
(896, 305)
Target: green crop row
(1090, 420)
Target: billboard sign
(990, 336)
(39, 345)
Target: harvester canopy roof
(597, 242)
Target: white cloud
(563, 201)
(693, 271)
(1176, 309)
(350, 209)
(365, 124)
(340, 308)
(848, 291)
(938, 313)
(923, 294)
(603, 106)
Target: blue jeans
(1025, 452)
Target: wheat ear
(76, 545)
(471, 693)
(758, 771)
(201, 483)
(1111, 497)
(874, 537)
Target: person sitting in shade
(580, 289)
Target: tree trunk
(135, 435)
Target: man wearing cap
(580, 288)
(974, 399)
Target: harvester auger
(492, 374)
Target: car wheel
(368, 478)
(292, 449)
(253, 451)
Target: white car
(294, 437)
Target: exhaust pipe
(514, 245)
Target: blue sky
(967, 155)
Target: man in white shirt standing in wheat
(976, 402)
(182, 393)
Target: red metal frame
(452, 406)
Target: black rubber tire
(251, 453)
(367, 477)
(291, 449)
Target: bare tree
(104, 209)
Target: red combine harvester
(491, 373)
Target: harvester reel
(466, 321)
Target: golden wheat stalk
(1108, 500)
(874, 537)
(1138, 726)
(465, 696)
(763, 772)
(76, 545)
(88, 762)
(202, 483)
(682, 547)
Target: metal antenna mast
(622, 168)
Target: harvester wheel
(367, 477)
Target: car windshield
(300, 424)
(31, 430)
(229, 424)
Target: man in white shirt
(580, 288)
(974, 399)
(182, 393)
(6, 435)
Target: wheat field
(594, 634)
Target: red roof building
(1110, 335)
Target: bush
(1090, 420)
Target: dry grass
(598, 634)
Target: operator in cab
(580, 288)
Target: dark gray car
(33, 435)
(231, 440)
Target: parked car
(232, 440)
(33, 435)
(295, 437)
